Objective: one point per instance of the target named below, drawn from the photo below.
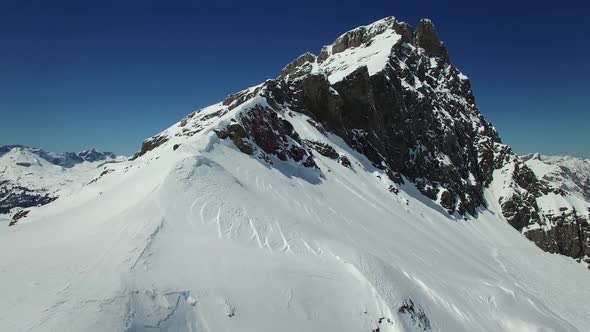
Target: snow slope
(206, 238)
(194, 234)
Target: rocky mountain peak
(390, 94)
(95, 155)
(410, 113)
(361, 35)
(426, 37)
(365, 35)
(306, 58)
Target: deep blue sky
(82, 74)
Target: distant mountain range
(31, 176)
(64, 159)
(568, 173)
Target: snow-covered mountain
(31, 176)
(361, 190)
(563, 211)
(568, 173)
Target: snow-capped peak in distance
(335, 197)
(566, 172)
(64, 159)
(95, 155)
(30, 176)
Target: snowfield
(206, 238)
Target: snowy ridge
(251, 215)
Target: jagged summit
(391, 93)
(369, 46)
(427, 38)
(95, 155)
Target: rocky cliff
(565, 211)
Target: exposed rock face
(271, 135)
(416, 319)
(552, 217)
(18, 216)
(301, 60)
(416, 118)
(150, 144)
(427, 38)
(13, 195)
(556, 211)
(570, 238)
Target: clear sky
(82, 74)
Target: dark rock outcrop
(238, 136)
(272, 135)
(566, 238)
(323, 149)
(18, 216)
(411, 119)
(417, 119)
(427, 38)
(13, 195)
(414, 317)
(150, 144)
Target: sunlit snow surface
(206, 238)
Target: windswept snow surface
(206, 238)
